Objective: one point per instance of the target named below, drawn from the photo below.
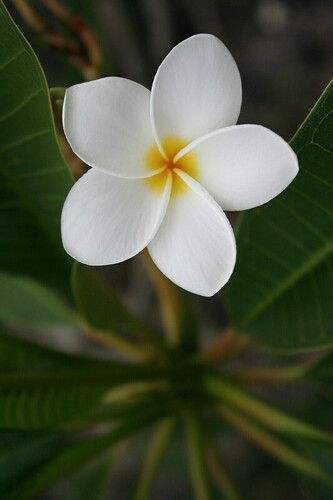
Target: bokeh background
(284, 51)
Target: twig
(84, 52)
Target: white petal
(195, 245)
(107, 124)
(243, 166)
(196, 90)
(106, 219)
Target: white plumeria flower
(166, 163)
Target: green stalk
(176, 309)
(272, 375)
(197, 466)
(157, 447)
(114, 341)
(219, 474)
(272, 445)
(266, 414)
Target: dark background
(283, 48)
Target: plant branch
(83, 52)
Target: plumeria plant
(97, 173)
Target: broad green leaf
(34, 178)
(25, 302)
(40, 387)
(321, 373)
(41, 404)
(101, 308)
(19, 356)
(322, 455)
(21, 453)
(82, 452)
(281, 292)
(48, 407)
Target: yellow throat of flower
(154, 160)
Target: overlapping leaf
(41, 388)
(25, 302)
(34, 178)
(282, 292)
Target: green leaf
(41, 404)
(281, 292)
(102, 309)
(40, 388)
(47, 407)
(34, 178)
(68, 461)
(323, 455)
(25, 302)
(19, 356)
(321, 373)
(24, 452)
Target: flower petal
(106, 219)
(107, 124)
(196, 90)
(195, 244)
(243, 166)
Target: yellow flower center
(154, 160)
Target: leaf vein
(20, 106)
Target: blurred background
(283, 48)
(284, 52)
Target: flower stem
(176, 313)
(83, 52)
